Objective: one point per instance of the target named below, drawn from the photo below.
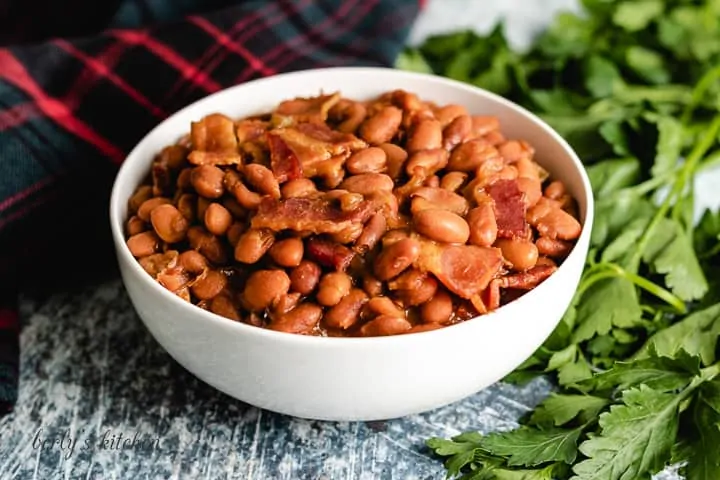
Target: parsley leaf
(596, 315)
(662, 374)
(531, 446)
(704, 461)
(669, 145)
(634, 439)
(559, 409)
(634, 15)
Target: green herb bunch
(634, 86)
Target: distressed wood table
(100, 399)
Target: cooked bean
(385, 325)
(253, 244)
(447, 113)
(514, 151)
(483, 125)
(202, 206)
(372, 286)
(555, 190)
(207, 244)
(223, 305)
(333, 287)
(470, 155)
(350, 201)
(141, 195)
(457, 132)
(453, 181)
(395, 258)
(433, 182)
(302, 319)
(426, 162)
(207, 180)
(286, 303)
(369, 160)
(209, 284)
(217, 219)
(527, 169)
(192, 261)
(298, 188)
(264, 287)
(349, 234)
(368, 183)
(305, 277)
(414, 287)
(262, 179)
(372, 232)
(143, 244)
(245, 197)
(441, 226)
(235, 232)
(545, 261)
(554, 223)
(483, 226)
(187, 205)
(381, 127)
(396, 158)
(394, 236)
(426, 135)
(184, 179)
(424, 327)
(522, 254)
(169, 223)
(532, 190)
(509, 172)
(346, 312)
(439, 198)
(379, 305)
(553, 247)
(353, 114)
(173, 279)
(287, 252)
(148, 206)
(438, 309)
(135, 225)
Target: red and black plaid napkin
(70, 109)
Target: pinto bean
(439, 198)
(378, 305)
(169, 223)
(262, 179)
(253, 244)
(424, 327)
(426, 135)
(202, 205)
(447, 113)
(553, 222)
(385, 325)
(396, 158)
(223, 305)
(301, 319)
(483, 226)
(209, 284)
(217, 219)
(184, 179)
(438, 309)
(515, 150)
(352, 113)
(553, 247)
(426, 162)
(187, 205)
(368, 183)
(207, 180)
(441, 226)
(235, 232)
(456, 132)
(265, 287)
(527, 169)
(414, 287)
(207, 244)
(287, 252)
(372, 286)
(192, 261)
(483, 125)
(244, 196)
(149, 205)
(531, 188)
(381, 127)
(134, 226)
(555, 190)
(522, 254)
(349, 234)
(470, 155)
(305, 277)
(346, 312)
(395, 258)
(298, 188)
(141, 195)
(453, 181)
(372, 232)
(369, 160)
(333, 287)
(143, 244)
(286, 303)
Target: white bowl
(352, 378)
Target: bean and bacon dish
(336, 217)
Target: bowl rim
(154, 288)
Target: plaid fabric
(71, 109)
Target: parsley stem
(687, 170)
(701, 88)
(651, 184)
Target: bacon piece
(510, 208)
(228, 157)
(250, 130)
(316, 215)
(302, 109)
(329, 254)
(283, 161)
(214, 133)
(529, 279)
(465, 270)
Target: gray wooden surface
(91, 373)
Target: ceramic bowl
(353, 378)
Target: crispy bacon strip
(329, 254)
(465, 270)
(510, 208)
(316, 215)
(529, 279)
(283, 161)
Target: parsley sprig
(634, 86)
